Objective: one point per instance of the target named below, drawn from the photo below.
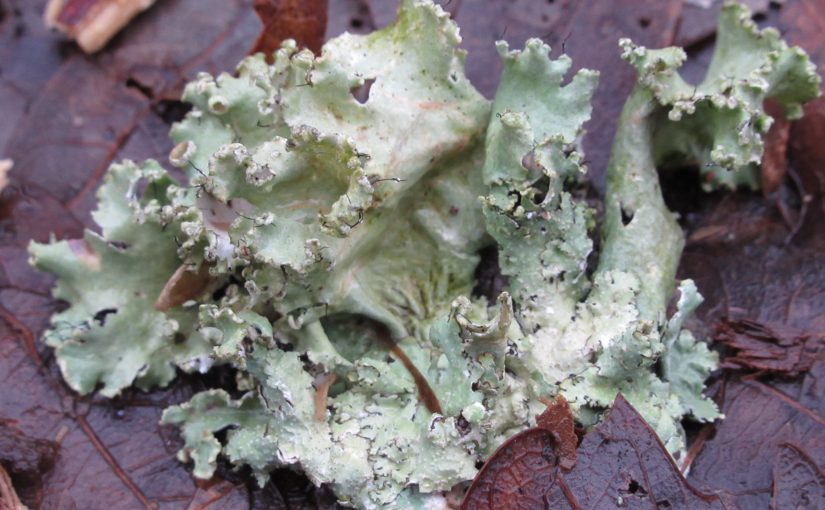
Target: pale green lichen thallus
(318, 232)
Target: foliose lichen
(325, 247)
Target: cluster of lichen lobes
(720, 123)
(317, 228)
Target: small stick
(425, 392)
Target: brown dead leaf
(558, 420)
(26, 460)
(803, 22)
(797, 481)
(302, 20)
(517, 475)
(621, 464)
(183, 285)
(747, 450)
(28, 58)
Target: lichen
(325, 248)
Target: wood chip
(5, 166)
(92, 23)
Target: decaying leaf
(521, 470)
(621, 464)
(749, 446)
(558, 420)
(25, 463)
(797, 480)
(518, 475)
(183, 285)
(803, 23)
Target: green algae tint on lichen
(334, 226)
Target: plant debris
(770, 420)
(5, 166)
(776, 349)
(621, 464)
(92, 23)
(305, 21)
(8, 496)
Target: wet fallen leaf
(518, 476)
(802, 22)
(739, 254)
(25, 462)
(748, 445)
(219, 495)
(797, 480)
(762, 281)
(527, 465)
(621, 464)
